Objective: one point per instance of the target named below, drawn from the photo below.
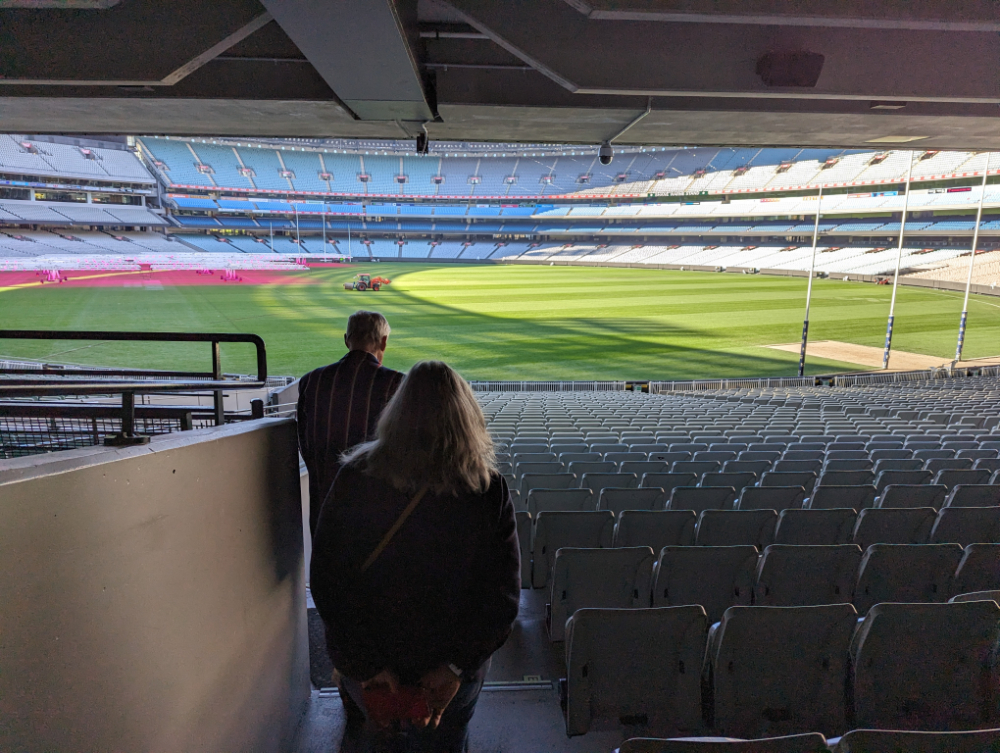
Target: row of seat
(543, 536)
(766, 671)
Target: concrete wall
(153, 597)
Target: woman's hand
(385, 677)
(440, 685)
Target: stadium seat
(604, 449)
(582, 456)
(901, 464)
(838, 497)
(845, 478)
(893, 526)
(979, 569)
(598, 481)
(815, 527)
(846, 465)
(802, 576)
(780, 670)
(736, 481)
(812, 742)
(624, 457)
(701, 498)
(580, 467)
(898, 741)
(976, 596)
(668, 481)
(973, 495)
(966, 525)
(736, 528)
(941, 464)
(952, 478)
(921, 573)
(531, 481)
(916, 666)
(889, 454)
(554, 530)
(641, 467)
(714, 577)
(810, 456)
(600, 579)
(655, 528)
(618, 499)
(805, 479)
(714, 456)
(635, 664)
(560, 500)
(523, 522)
(988, 464)
(668, 457)
(902, 477)
(696, 467)
(771, 498)
(757, 467)
(909, 496)
(758, 456)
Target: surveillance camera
(423, 144)
(606, 153)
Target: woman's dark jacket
(445, 590)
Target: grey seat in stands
(893, 526)
(811, 742)
(617, 499)
(921, 573)
(989, 464)
(973, 495)
(527, 449)
(735, 480)
(581, 456)
(966, 525)
(902, 477)
(669, 457)
(815, 527)
(648, 447)
(531, 481)
(805, 479)
(890, 454)
(534, 457)
(668, 481)
(798, 466)
(926, 665)
(701, 498)
(910, 496)
(523, 522)
(579, 467)
(846, 465)
(975, 455)
(909, 464)
(845, 478)
(655, 528)
(561, 500)
(757, 467)
(717, 457)
(857, 453)
(940, 464)
(520, 504)
(979, 569)
(771, 498)
(598, 481)
(691, 447)
(976, 596)
(600, 579)
(803, 576)
(716, 577)
(635, 663)
(696, 467)
(641, 467)
(836, 497)
(780, 670)
(624, 457)
(816, 456)
(736, 527)
(538, 466)
(759, 456)
(881, 741)
(554, 530)
(928, 454)
(605, 448)
(951, 478)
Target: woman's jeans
(449, 737)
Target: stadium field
(496, 322)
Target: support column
(972, 262)
(899, 258)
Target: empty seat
(889, 454)
(891, 741)
(668, 457)
(988, 464)
(771, 498)
(579, 456)
(598, 481)
(696, 467)
(916, 666)
(531, 481)
(655, 528)
(805, 479)
(929, 454)
(893, 526)
(847, 465)
(910, 496)
(966, 525)
(834, 497)
(691, 447)
(906, 573)
(902, 477)
(719, 457)
(973, 495)
(757, 467)
(979, 569)
(779, 670)
(736, 527)
(798, 466)
(759, 456)
(560, 500)
(523, 522)
(537, 466)
(554, 530)
(812, 742)
(815, 527)
(975, 455)
(700, 498)
(716, 577)
(618, 499)
(735, 480)
(579, 467)
(802, 576)
(845, 478)
(598, 578)
(897, 465)
(623, 457)
(837, 452)
(976, 596)
(942, 464)
(636, 664)
(648, 447)
(668, 481)
(524, 448)
(642, 467)
(799, 455)
(952, 478)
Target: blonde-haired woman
(415, 565)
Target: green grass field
(510, 322)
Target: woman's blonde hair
(431, 433)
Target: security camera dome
(606, 153)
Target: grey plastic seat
(604, 448)
(597, 578)
(598, 481)
(976, 596)
(893, 526)
(537, 466)
(931, 454)
(805, 479)
(759, 456)
(560, 500)
(885, 478)
(988, 464)
(889, 454)
(839, 497)
(798, 466)
(910, 496)
(846, 465)
(836, 452)
(771, 498)
(815, 527)
(531, 481)
(701, 498)
(736, 527)
(696, 467)
(757, 467)
(655, 528)
(638, 664)
(554, 530)
(845, 478)
(966, 525)
(735, 480)
(579, 456)
(691, 447)
(669, 457)
(922, 573)
(891, 741)
(716, 577)
(648, 447)
(973, 495)
(618, 499)
(803, 576)
(811, 742)
(979, 569)
(815, 456)
(926, 665)
(623, 457)
(580, 467)
(779, 670)
(940, 464)
(909, 464)
(525, 448)
(668, 481)
(524, 525)
(642, 467)
(717, 457)
(952, 478)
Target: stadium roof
(855, 73)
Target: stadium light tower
(972, 262)
(809, 289)
(899, 258)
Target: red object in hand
(384, 706)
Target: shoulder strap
(395, 527)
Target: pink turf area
(98, 279)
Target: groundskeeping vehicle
(366, 282)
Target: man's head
(367, 331)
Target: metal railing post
(899, 259)
(220, 410)
(972, 262)
(812, 274)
